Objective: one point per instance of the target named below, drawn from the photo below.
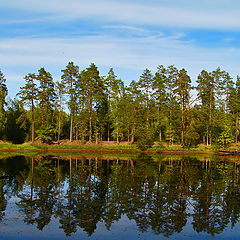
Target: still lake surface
(132, 197)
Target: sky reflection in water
(84, 197)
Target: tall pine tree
(69, 78)
(28, 94)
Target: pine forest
(160, 107)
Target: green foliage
(104, 108)
(191, 138)
(3, 94)
(170, 135)
(46, 135)
(226, 137)
(145, 138)
(17, 125)
(46, 96)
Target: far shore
(113, 147)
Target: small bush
(46, 135)
(145, 138)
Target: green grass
(199, 148)
(121, 147)
(69, 146)
(24, 146)
(158, 147)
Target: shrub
(46, 135)
(145, 138)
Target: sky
(128, 36)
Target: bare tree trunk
(210, 115)
(182, 134)
(147, 106)
(133, 134)
(159, 124)
(122, 116)
(109, 97)
(160, 133)
(42, 109)
(71, 120)
(71, 127)
(237, 125)
(170, 106)
(108, 129)
(133, 131)
(170, 122)
(59, 120)
(33, 127)
(90, 118)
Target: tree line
(160, 106)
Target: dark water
(160, 197)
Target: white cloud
(125, 27)
(203, 14)
(130, 54)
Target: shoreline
(105, 147)
(103, 150)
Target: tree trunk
(71, 128)
(159, 124)
(59, 120)
(170, 107)
(90, 118)
(108, 129)
(170, 122)
(33, 127)
(160, 133)
(237, 124)
(210, 115)
(59, 126)
(122, 116)
(42, 121)
(133, 133)
(42, 109)
(109, 97)
(71, 120)
(147, 106)
(182, 134)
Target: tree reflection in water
(161, 194)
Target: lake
(119, 197)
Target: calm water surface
(143, 197)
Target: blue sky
(126, 35)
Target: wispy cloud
(125, 27)
(134, 53)
(159, 13)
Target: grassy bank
(103, 147)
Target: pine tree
(46, 97)
(60, 92)
(159, 94)
(171, 76)
(94, 91)
(145, 83)
(116, 104)
(3, 94)
(28, 94)
(234, 105)
(110, 79)
(182, 89)
(210, 86)
(134, 104)
(69, 78)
